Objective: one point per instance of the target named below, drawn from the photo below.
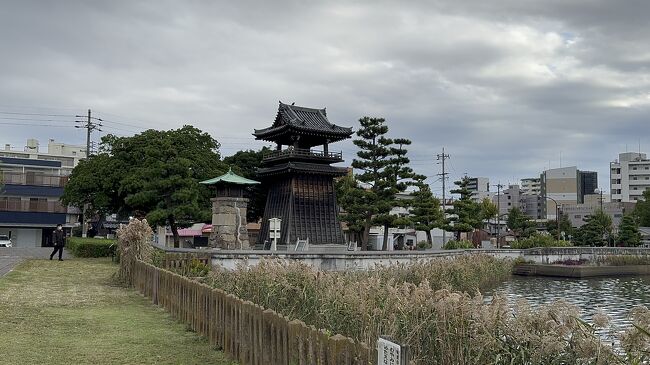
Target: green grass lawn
(71, 312)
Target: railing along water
(245, 331)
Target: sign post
(390, 353)
(274, 232)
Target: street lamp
(557, 215)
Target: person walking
(58, 238)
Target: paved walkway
(12, 256)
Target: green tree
(153, 174)
(425, 209)
(399, 177)
(596, 231)
(383, 172)
(246, 163)
(489, 210)
(350, 198)
(628, 232)
(519, 223)
(642, 210)
(94, 185)
(465, 214)
(565, 226)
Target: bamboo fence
(245, 331)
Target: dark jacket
(58, 238)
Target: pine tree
(383, 173)
(628, 232)
(519, 223)
(465, 214)
(350, 198)
(642, 210)
(596, 231)
(425, 209)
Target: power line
(37, 125)
(38, 114)
(35, 119)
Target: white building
(33, 182)
(629, 177)
(531, 186)
(480, 188)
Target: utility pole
(499, 186)
(442, 157)
(90, 125)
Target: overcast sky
(507, 87)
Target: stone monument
(229, 230)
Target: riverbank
(71, 312)
(580, 271)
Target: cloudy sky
(508, 87)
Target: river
(615, 296)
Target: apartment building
(629, 177)
(531, 186)
(32, 184)
(507, 199)
(577, 213)
(480, 187)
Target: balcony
(302, 154)
(33, 179)
(35, 206)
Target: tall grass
(434, 307)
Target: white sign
(274, 224)
(388, 353)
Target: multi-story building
(480, 187)
(32, 184)
(530, 186)
(507, 199)
(577, 213)
(531, 205)
(629, 177)
(587, 184)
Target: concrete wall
(368, 260)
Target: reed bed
(436, 309)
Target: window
(618, 215)
(577, 216)
(509, 204)
(634, 168)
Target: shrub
(622, 260)
(133, 243)
(91, 247)
(538, 240)
(458, 245)
(423, 245)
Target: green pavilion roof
(230, 177)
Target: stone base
(229, 230)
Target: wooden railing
(302, 152)
(245, 331)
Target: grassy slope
(70, 313)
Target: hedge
(91, 247)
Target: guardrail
(27, 178)
(245, 331)
(7, 205)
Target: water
(615, 296)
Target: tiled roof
(301, 119)
(230, 177)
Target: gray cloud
(506, 86)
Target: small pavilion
(229, 230)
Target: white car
(5, 241)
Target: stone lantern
(229, 230)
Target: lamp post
(557, 215)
